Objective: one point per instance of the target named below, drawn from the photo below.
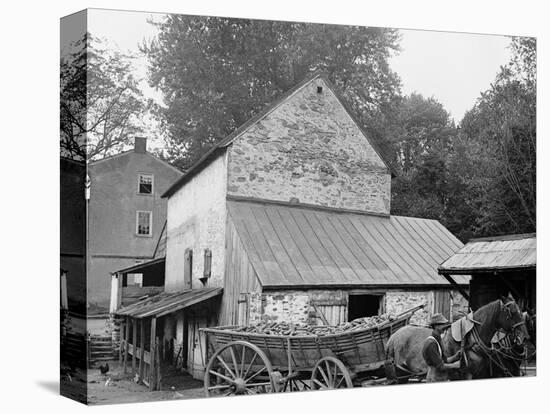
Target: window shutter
(207, 263)
(188, 269)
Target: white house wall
(196, 220)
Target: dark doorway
(360, 306)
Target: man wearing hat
(433, 353)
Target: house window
(145, 184)
(144, 225)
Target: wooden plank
(141, 347)
(119, 291)
(126, 339)
(157, 363)
(457, 287)
(122, 336)
(134, 345)
(153, 361)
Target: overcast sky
(454, 68)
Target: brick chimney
(140, 145)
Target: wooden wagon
(251, 363)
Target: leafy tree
(423, 138)
(501, 130)
(478, 179)
(216, 73)
(100, 100)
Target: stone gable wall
(309, 150)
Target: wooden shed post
(122, 336)
(152, 359)
(126, 340)
(134, 345)
(141, 347)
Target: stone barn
(290, 215)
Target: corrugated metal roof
(165, 303)
(499, 253)
(297, 246)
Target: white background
(30, 208)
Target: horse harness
(492, 353)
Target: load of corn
(285, 328)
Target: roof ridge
(506, 237)
(304, 206)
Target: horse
(404, 347)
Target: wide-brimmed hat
(439, 319)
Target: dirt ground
(117, 388)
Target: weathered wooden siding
(240, 280)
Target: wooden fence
(145, 363)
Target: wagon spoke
(221, 376)
(226, 367)
(235, 365)
(231, 360)
(319, 383)
(255, 374)
(249, 366)
(259, 384)
(219, 387)
(323, 375)
(329, 382)
(243, 359)
(333, 372)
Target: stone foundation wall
(298, 306)
(459, 305)
(399, 301)
(304, 306)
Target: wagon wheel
(330, 373)
(238, 368)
